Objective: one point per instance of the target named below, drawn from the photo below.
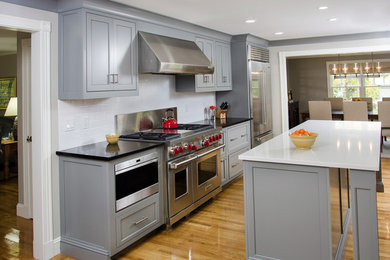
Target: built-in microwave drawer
(137, 219)
(238, 137)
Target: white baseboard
(22, 211)
(50, 249)
(56, 246)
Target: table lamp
(12, 110)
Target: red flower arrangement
(212, 107)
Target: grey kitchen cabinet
(91, 225)
(97, 55)
(223, 66)
(207, 80)
(237, 141)
(218, 52)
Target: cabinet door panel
(207, 47)
(123, 48)
(223, 65)
(226, 66)
(99, 60)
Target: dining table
(339, 115)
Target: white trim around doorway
(41, 130)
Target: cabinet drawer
(238, 137)
(235, 165)
(138, 218)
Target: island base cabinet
(364, 215)
(287, 212)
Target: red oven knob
(214, 138)
(210, 139)
(176, 151)
(220, 136)
(181, 150)
(206, 143)
(194, 148)
(217, 137)
(189, 146)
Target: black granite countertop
(225, 122)
(105, 152)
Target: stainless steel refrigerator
(260, 101)
(250, 96)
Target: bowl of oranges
(303, 139)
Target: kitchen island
(290, 194)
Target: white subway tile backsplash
(155, 92)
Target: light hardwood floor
(214, 231)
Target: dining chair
(355, 111)
(386, 99)
(367, 99)
(384, 117)
(336, 103)
(320, 110)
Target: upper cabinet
(97, 56)
(218, 53)
(223, 66)
(207, 47)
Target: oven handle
(135, 166)
(212, 150)
(173, 165)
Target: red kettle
(169, 121)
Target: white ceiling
(297, 19)
(7, 42)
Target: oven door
(180, 192)
(207, 175)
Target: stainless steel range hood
(165, 55)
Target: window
(359, 85)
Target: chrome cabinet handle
(204, 79)
(117, 78)
(208, 187)
(235, 165)
(233, 139)
(244, 135)
(224, 79)
(110, 76)
(141, 220)
(175, 165)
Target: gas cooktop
(162, 134)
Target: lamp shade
(12, 108)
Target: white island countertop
(340, 144)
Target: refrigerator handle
(264, 88)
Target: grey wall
(8, 66)
(307, 77)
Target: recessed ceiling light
(322, 8)
(332, 19)
(250, 21)
(279, 33)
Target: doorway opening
(16, 231)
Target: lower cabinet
(237, 141)
(136, 219)
(92, 224)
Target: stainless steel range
(192, 154)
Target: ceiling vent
(258, 54)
